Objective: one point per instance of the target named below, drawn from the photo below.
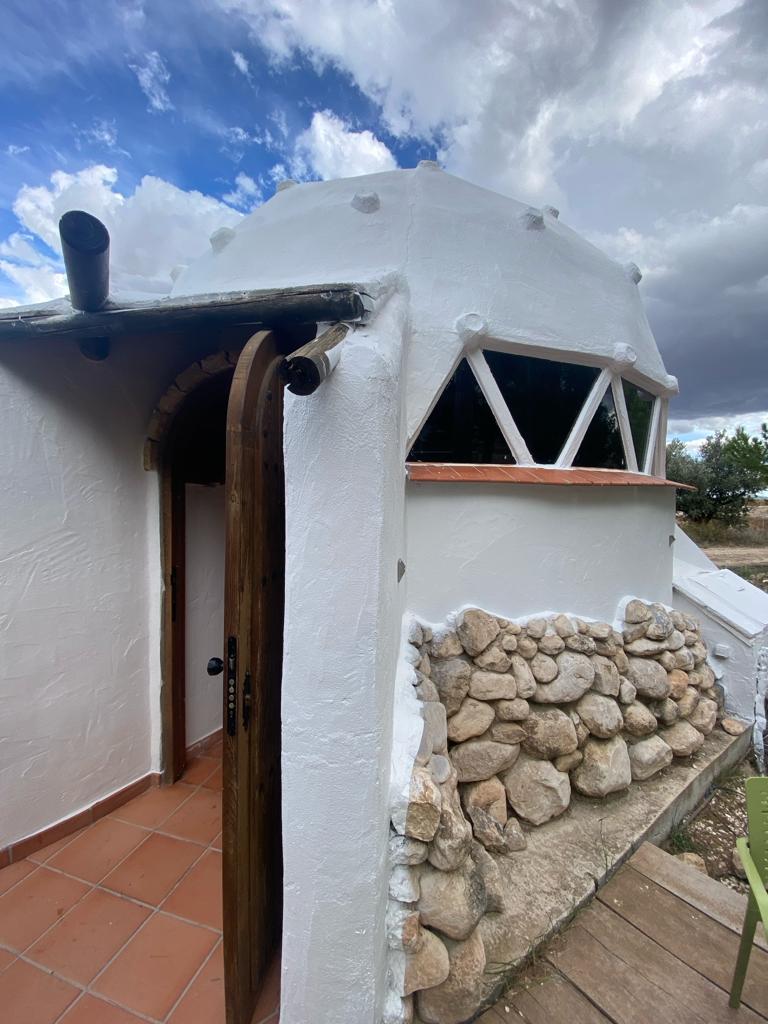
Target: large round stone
(453, 838)
(600, 714)
(704, 716)
(638, 720)
(605, 769)
(512, 710)
(492, 686)
(458, 998)
(476, 760)
(477, 630)
(606, 676)
(472, 719)
(451, 677)
(549, 733)
(649, 678)
(452, 902)
(575, 675)
(648, 757)
(543, 667)
(427, 965)
(536, 790)
(490, 795)
(682, 738)
(524, 681)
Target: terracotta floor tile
(198, 820)
(214, 781)
(41, 856)
(152, 870)
(165, 954)
(6, 959)
(152, 808)
(90, 1010)
(199, 769)
(203, 1003)
(36, 903)
(269, 999)
(198, 896)
(87, 938)
(98, 849)
(14, 873)
(216, 843)
(30, 996)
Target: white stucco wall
(344, 496)
(205, 528)
(520, 549)
(79, 575)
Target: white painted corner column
(345, 483)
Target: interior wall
(79, 574)
(204, 586)
(521, 549)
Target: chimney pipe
(85, 247)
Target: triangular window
(640, 412)
(602, 447)
(461, 427)
(544, 398)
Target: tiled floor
(121, 922)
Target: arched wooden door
(253, 637)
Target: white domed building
(438, 570)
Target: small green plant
(680, 840)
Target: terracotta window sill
(447, 472)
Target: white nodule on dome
(552, 211)
(471, 325)
(671, 384)
(366, 202)
(177, 271)
(429, 165)
(221, 238)
(633, 272)
(533, 219)
(284, 184)
(624, 356)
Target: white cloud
(13, 150)
(245, 194)
(330, 148)
(153, 78)
(241, 63)
(151, 230)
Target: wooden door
(253, 634)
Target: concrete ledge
(569, 858)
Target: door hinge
(231, 693)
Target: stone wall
(517, 716)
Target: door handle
(215, 666)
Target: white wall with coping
(344, 497)
(80, 579)
(520, 549)
(204, 595)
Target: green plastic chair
(754, 857)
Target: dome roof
(471, 261)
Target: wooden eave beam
(271, 307)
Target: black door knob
(215, 666)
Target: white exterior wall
(519, 549)
(80, 580)
(344, 450)
(204, 595)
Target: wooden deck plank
(711, 897)
(694, 938)
(552, 1001)
(661, 969)
(622, 994)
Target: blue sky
(642, 120)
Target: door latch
(231, 696)
(247, 698)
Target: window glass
(461, 427)
(640, 411)
(602, 447)
(544, 397)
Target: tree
(751, 453)
(726, 476)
